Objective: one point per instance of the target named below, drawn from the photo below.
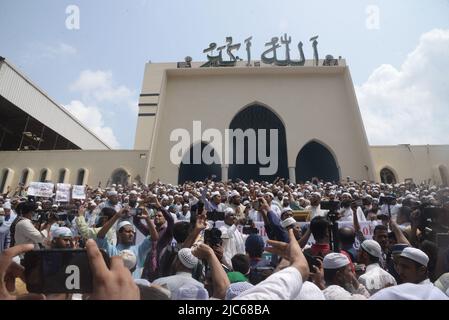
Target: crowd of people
(203, 240)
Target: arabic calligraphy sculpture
(270, 56)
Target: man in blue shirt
(125, 240)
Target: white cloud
(92, 118)
(410, 104)
(98, 86)
(59, 50)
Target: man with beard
(346, 211)
(91, 232)
(125, 241)
(412, 269)
(340, 282)
(315, 207)
(62, 238)
(233, 239)
(112, 201)
(235, 204)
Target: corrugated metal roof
(22, 92)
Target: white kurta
(315, 212)
(375, 278)
(409, 291)
(283, 285)
(335, 292)
(346, 215)
(310, 291)
(233, 242)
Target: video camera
(433, 220)
(212, 237)
(333, 207)
(215, 216)
(388, 200)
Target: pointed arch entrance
(257, 117)
(315, 160)
(189, 171)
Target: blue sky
(97, 71)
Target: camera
(332, 206)
(59, 271)
(215, 216)
(248, 228)
(212, 237)
(388, 200)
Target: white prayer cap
(61, 232)
(129, 259)
(347, 194)
(235, 193)
(229, 211)
(114, 185)
(246, 202)
(215, 193)
(286, 209)
(186, 257)
(335, 261)
(164, 197)
(124, 224)
(53, 206)
(133, 192)
(270, 194)
(415, 255)
(191, 292)
(316, 194)
(372, 247)
(236, 289)
(112, 193)
(288, 222)
(186, 194)
(186, 205)
(7, 205)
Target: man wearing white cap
(315, 207)
(348, 208)
(235, 204)
(184, 265)
(340, 280)
(412, 268)
(233, 239)
(112, 201)
(215, 204)
(7, 216)
(375, 278)
(62, 238)
(184, 214)
(274, 207)
(125, 240)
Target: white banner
(40, 189)
(63, 192)
(78, 192)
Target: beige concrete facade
(314, 104)
(99, 166)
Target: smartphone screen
(58, 271)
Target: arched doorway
(257, 117)
(120, 176)
(189, 171)
(387, 176)
(444, 175)
(80, 179)
(315, 161)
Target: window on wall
(4, 179)
(387, 176)
(61, 177)
(80, 178)
(24, 177)
(43, 176)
